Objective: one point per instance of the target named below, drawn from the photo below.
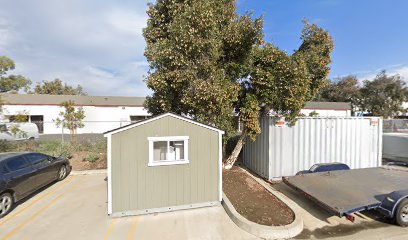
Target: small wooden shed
(164, 163)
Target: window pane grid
(168, 150)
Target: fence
(395, 125)
(284, 150)
(48, 130)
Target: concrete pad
(319, 224)
(76, 208)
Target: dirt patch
(78, 163)
(253, 201)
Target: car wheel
(62, 172)
(6, 203)
(401, 216)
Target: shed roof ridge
(157, 117)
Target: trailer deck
(346, 191)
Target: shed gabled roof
(132, 125)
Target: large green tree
(282, 83)
(11, 82)
(57, 87)
(384, 95)
(197, 52)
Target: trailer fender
(391, 201)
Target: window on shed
(168, 150)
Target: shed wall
(354, 141)
(135, 186)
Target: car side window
(17, 163)
(4, 169)
(36, 158)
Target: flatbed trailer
(344, 192)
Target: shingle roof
(328, 105)
(36, 99)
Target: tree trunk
(72, 135)
(235, 153)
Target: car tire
(401, 215)
(62, 172)
(6, 204)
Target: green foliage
(56, 149)
(315, 50)
(91, 157)
(284, 83)
(313, 114)
(343, 89)
(6, 146)
(384, 95)
(57, 87)
(197, 50)
(71, 118)
(11, 83)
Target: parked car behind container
(23, 173)
(18, 131)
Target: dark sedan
(23, 173)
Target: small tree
(71, 118)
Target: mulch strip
(253, 201)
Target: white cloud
(400, 69)
(97, 44)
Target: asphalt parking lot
(76, 209)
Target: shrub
(56, 149)
(6, 146)
(91, 157)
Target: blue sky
(99, 44)
(368, 35)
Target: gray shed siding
(136, 186)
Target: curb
(262, 231)
(88, 172)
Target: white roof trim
(159, 117)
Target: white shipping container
(284, 150)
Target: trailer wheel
(401, 216)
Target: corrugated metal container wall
(354, 141)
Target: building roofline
(132, 125)
(56, 100)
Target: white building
(328, 109)
(101, 113)
(106, 113)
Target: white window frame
(153, 163)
